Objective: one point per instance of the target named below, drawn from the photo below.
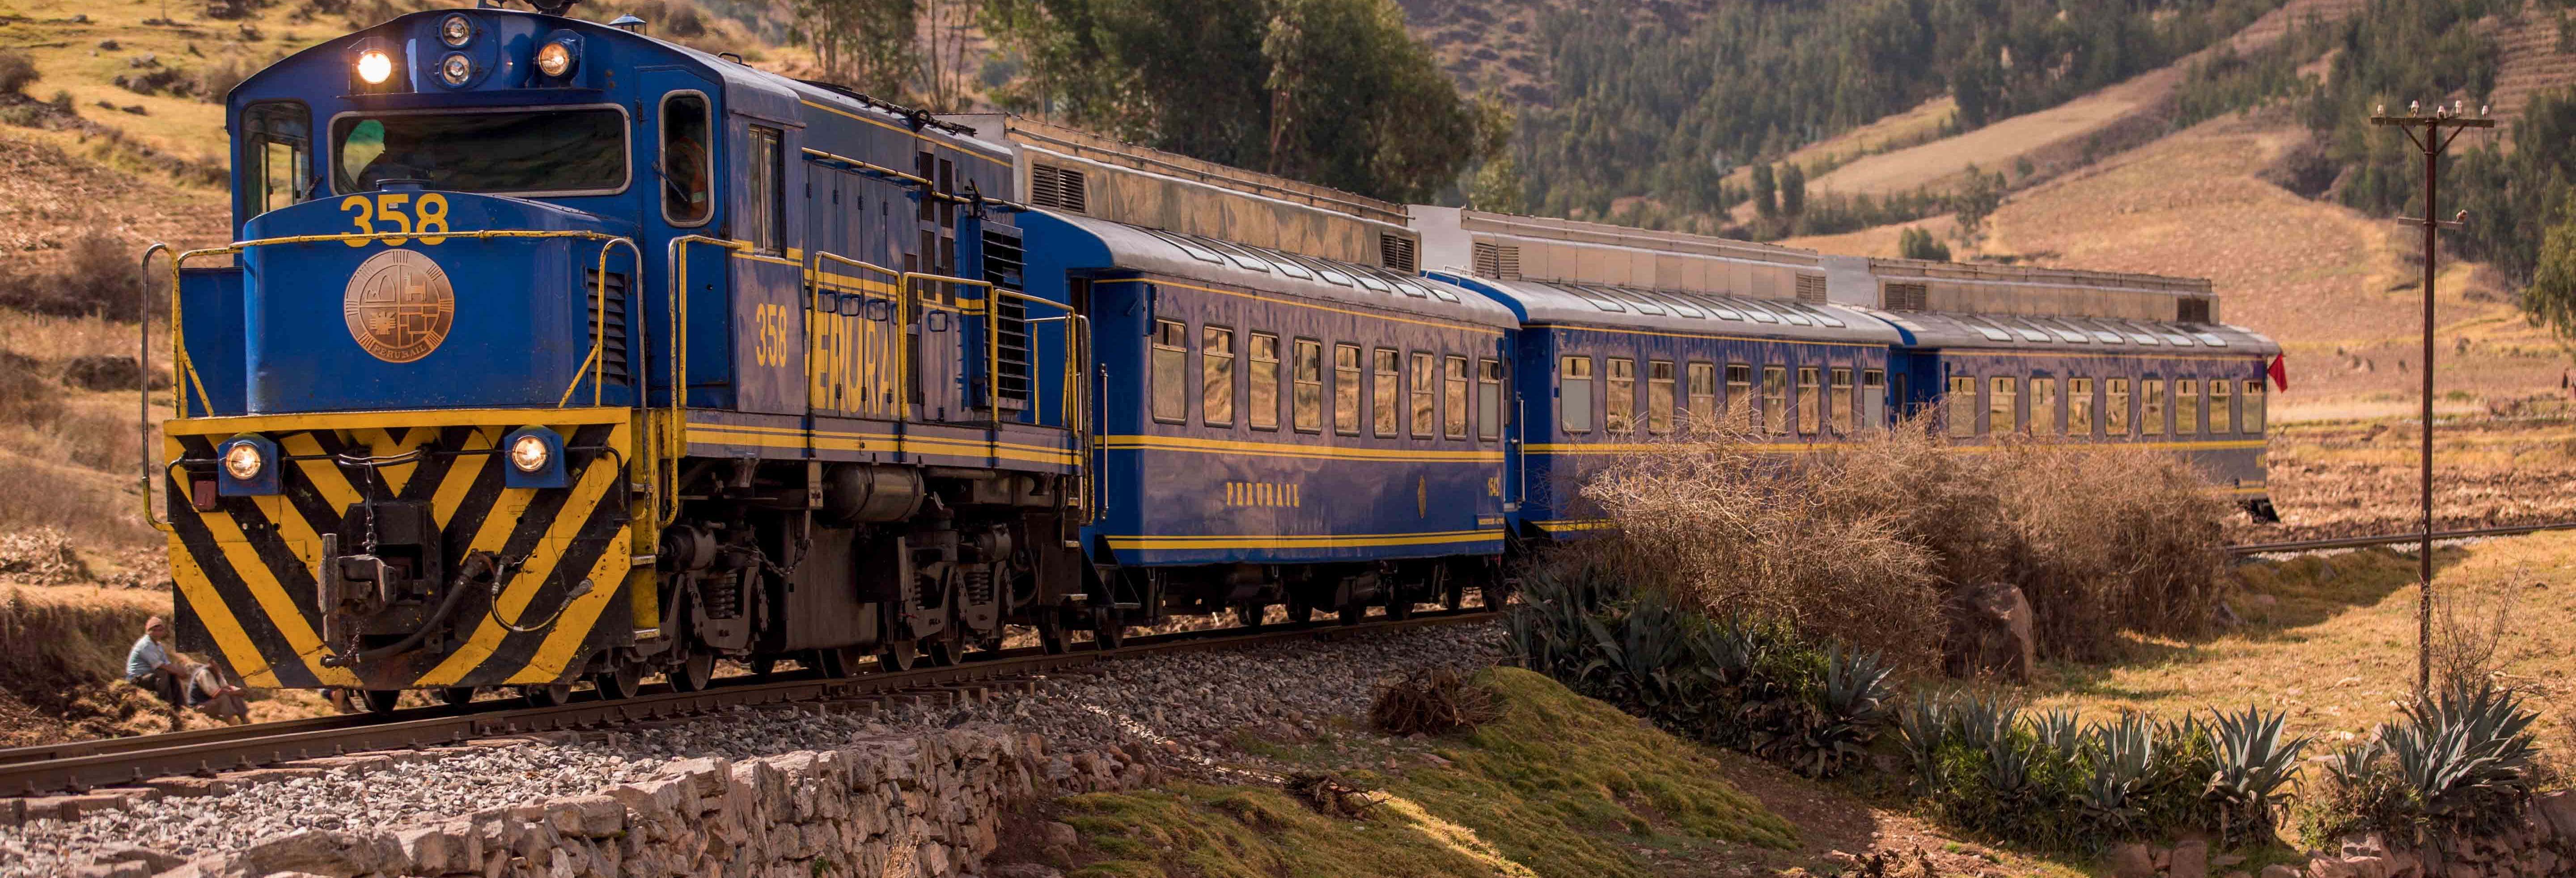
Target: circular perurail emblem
(399, 305)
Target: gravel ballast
(1180, 711)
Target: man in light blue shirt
(150, 666)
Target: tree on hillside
(2552, 296)
(1793, 189)
(870, 45)
(1915, 243)
(1331, 91)
(1766, 192)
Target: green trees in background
(1915, 243)
(1330, 91)
(1642, 109)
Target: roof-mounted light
(374, 66)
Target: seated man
(210, 691)
(151, 666)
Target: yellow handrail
(143, 358)
(678, 258)
(597, 362)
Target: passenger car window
(1703, 397)
(1489, 399)
(1739, 396)
(1959, 407)
(1453, 421)
(1261, 397)
(1425, 393)
(1216, 376)
(1307, 373)
(2115, 406)
(1811, 401)
(2187, 407)
(686, 165)
(2079, 406)
(2254, 393)
(2043, 406)
(277, 155)
(2151, 416)
(1388, 384)
(1574, 393)
(1171, 371)
(1775, 399)
(2003, 404)
(1873, 399)
(1840, 401)
(2221, 401)
(1621, 393)
(1346, 389)
(1659, 396)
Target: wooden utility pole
(2439, 128)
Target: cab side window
(277, 155)
(765, 222)
(687, 164)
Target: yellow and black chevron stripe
(246, 570)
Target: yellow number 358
(367, 213)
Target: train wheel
(380, 700)
(1300, 612)
(941, 653)
(694, 672)
(1249, 614)
(835, 662)
(1399, 608)
(619, 684)
(1051, 632)
(763, 666)
(547, 695)
(1109, 628)
(1353, 612)
(900, 655)
(1453, 590)
(456, 695)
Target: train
(548, 353)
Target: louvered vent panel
(1396, 253)
(1004, 261)
(612, 311)
(1057, 188)
(1811, 289)
(1908, 297)
(2189, 310)
(1498, 261)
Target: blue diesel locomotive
(550, 352)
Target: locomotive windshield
(510, 151)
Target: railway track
(2392, 539)
(83, 766)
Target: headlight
(554, 59)
(529, 453)
(374, 66)
(455, 69)
(455, 30)
(243, 461)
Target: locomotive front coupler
(338, 615)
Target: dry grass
(2330, 639)
(1868, 543)
(1434, 702)
(2348, 478)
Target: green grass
(1560, 785)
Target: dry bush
(2472, 621)
(95, 508)
(17, 70)
(1868, 542)
(97, 277)
(1434, 702)
(25, 396)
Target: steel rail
(2387, 539)
(87, 765)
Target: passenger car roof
(1270, 271)
(2036, 332)
(1594, 305)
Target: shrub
(1915, 243)
(1436, 702)
(217, 80)
(17, 71)
(2461, 763)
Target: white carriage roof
(1261, 269)
(1568, 304)
(2097, 335)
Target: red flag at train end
(2280, 372)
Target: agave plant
(2466, 754)
(1984, 721)
(2253, 763)
(1925, 723)
(1851, 705)
(2058, 732)
(2122, 754)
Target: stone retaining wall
(919, 805)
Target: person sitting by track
(151, 666)
(214, 693)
